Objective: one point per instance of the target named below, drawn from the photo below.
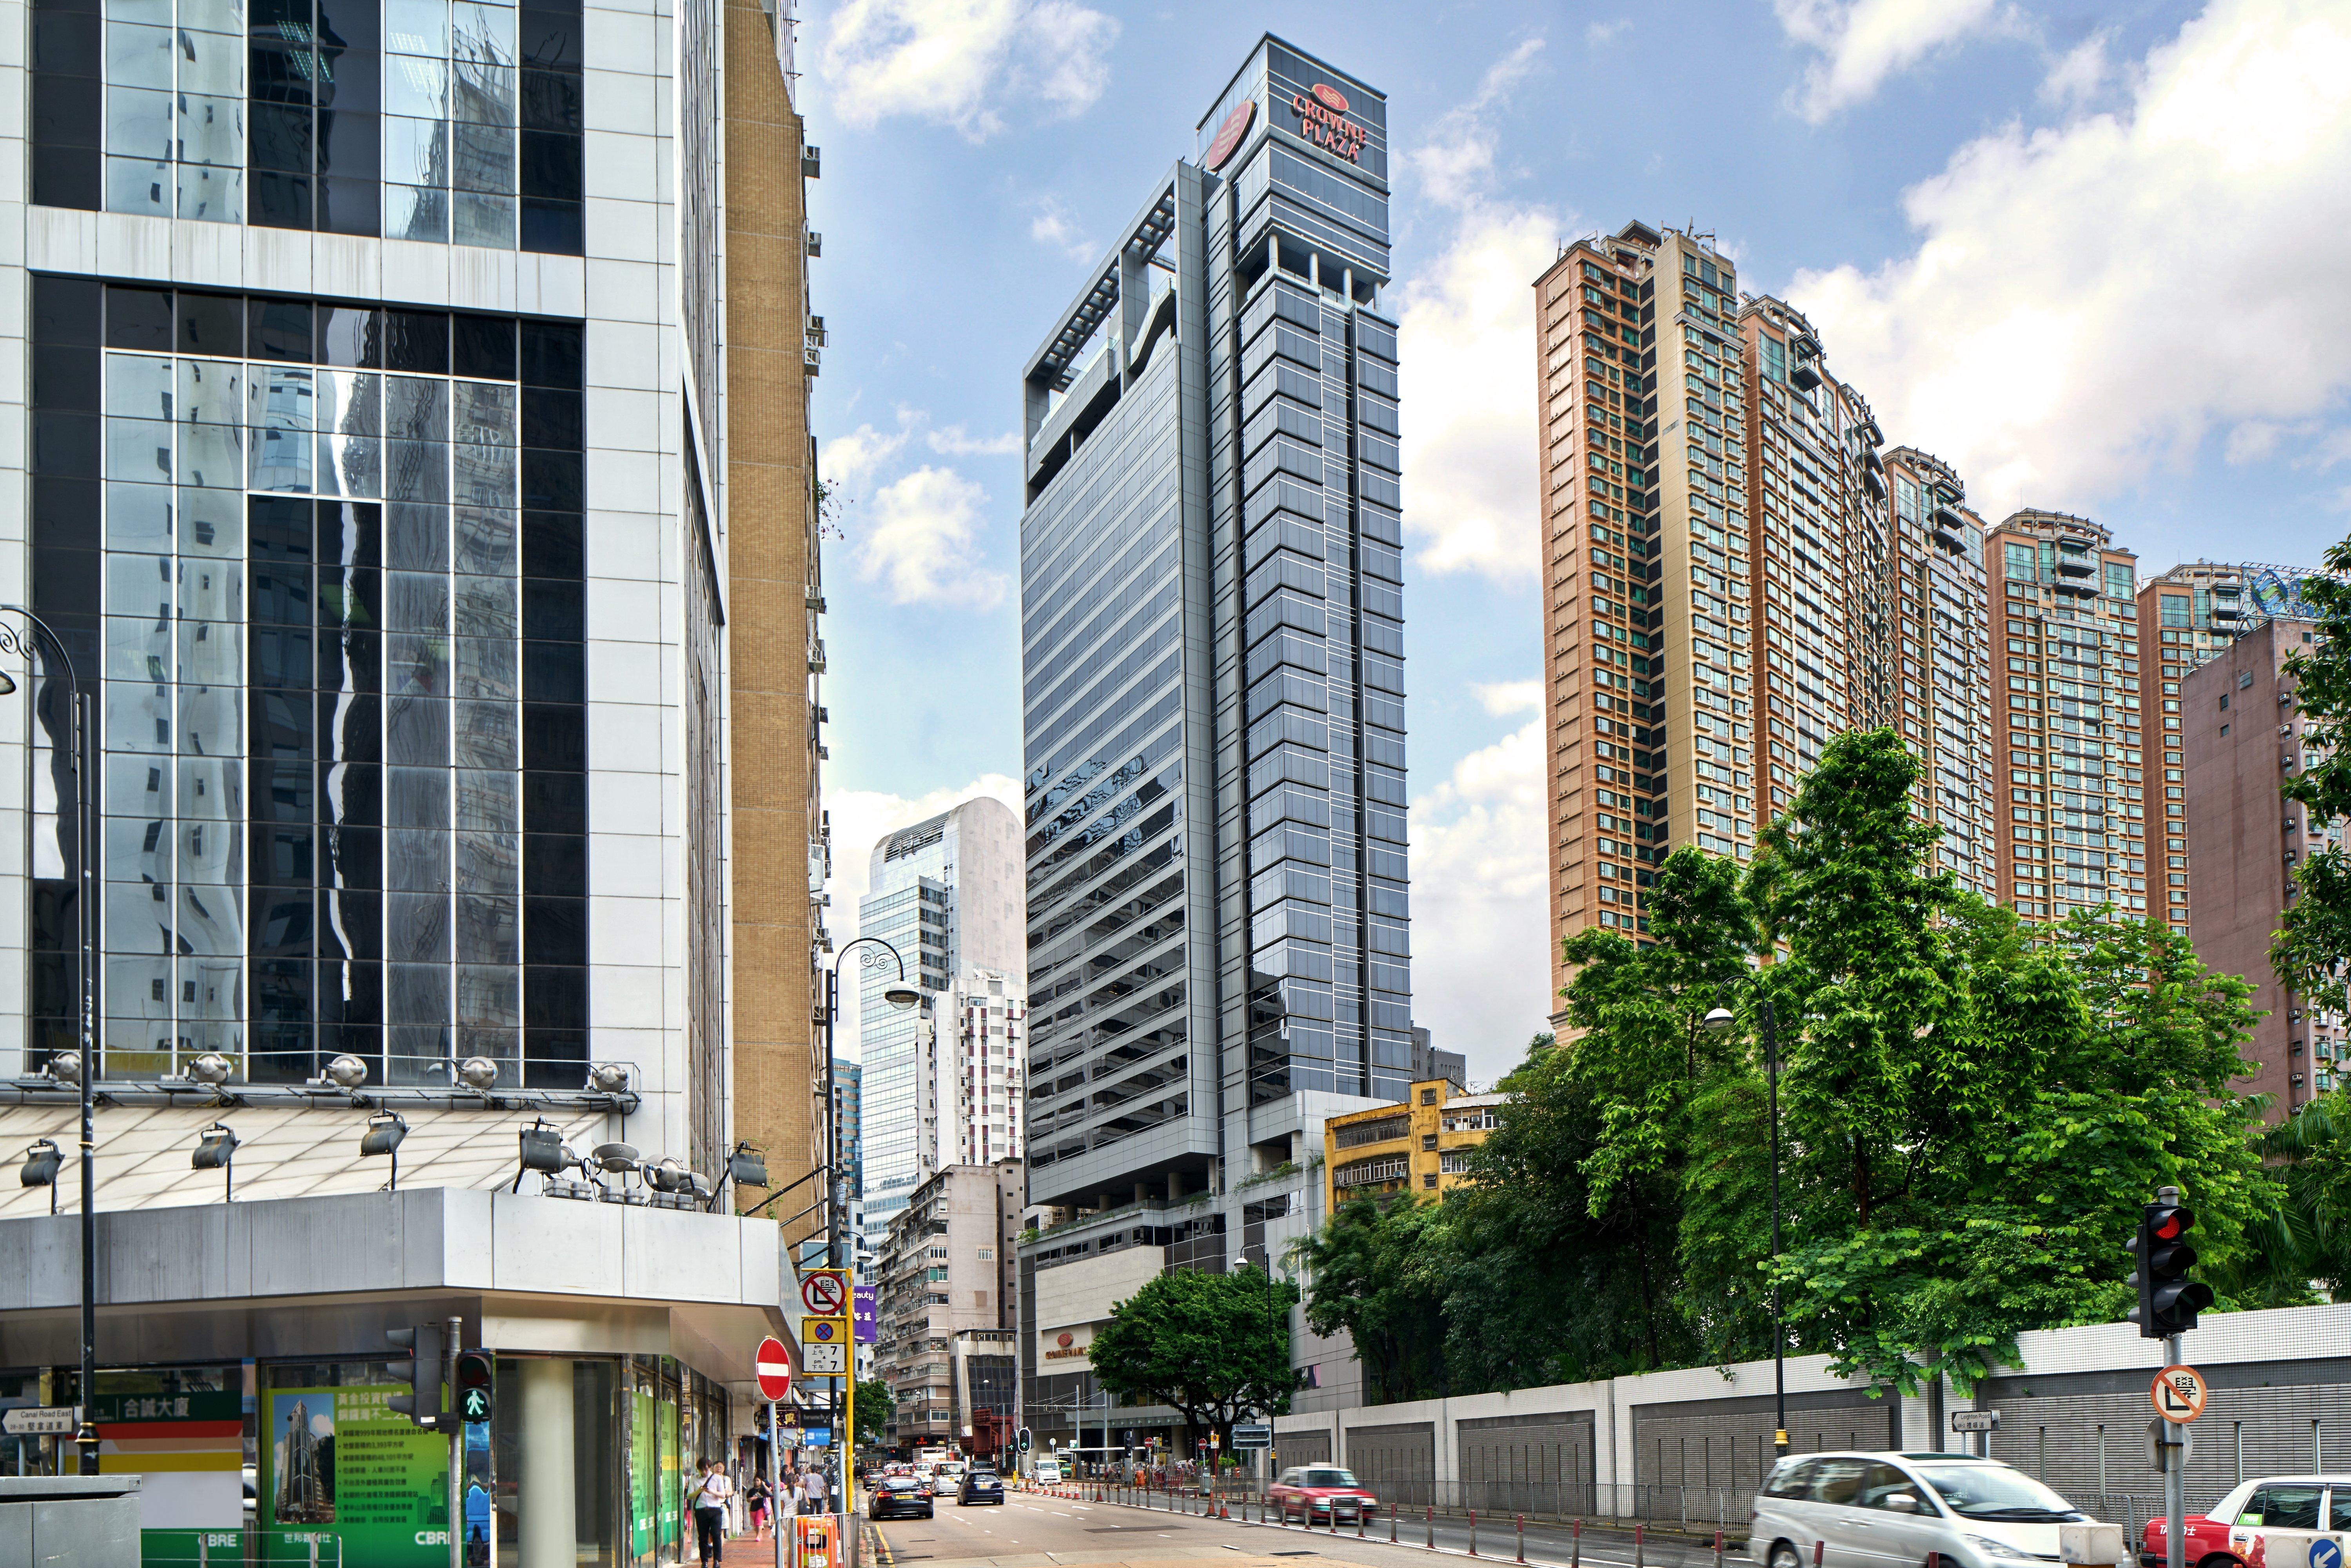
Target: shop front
(254, 1399)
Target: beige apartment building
(2066, 741)
(779, 848)
(945, 1312)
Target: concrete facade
(1417, 1148)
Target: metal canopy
(1150, 231)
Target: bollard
(1392, 1524)
(1820, 1550)
(1717, 1551)
(1575, 1548)
(1522, 1537)
(1473, 1533)
(1359, 1520)
(1432, 1527)
(1636, 1548)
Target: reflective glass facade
(1213, 656)
(323, 563)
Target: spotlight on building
(542, 1151)
(902, 993)
(347, 1073)
(65, 1066)
(211, 1070)
(217, 1151)
(608, 1077)
(478, 1072)
(667, 1175)
(746, 1167)
(385, 1129)
(614, 1159)
(40, 1168)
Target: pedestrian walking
(812, 1490)
(706, 1495)
(759, 1497)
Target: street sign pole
(2175, 1479)
(775, 1475)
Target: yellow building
(1421, 1145)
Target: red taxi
(1317, 1494)
(2271, 1522)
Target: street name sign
(1975, 1421)
(41, 1420)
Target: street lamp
(84, 724)
(900, 993)
(1717, 1021)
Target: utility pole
(2174, 1441)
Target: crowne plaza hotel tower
(1213, 649)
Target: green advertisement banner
(673, 1497)
(643, 1466)
(339, 1465)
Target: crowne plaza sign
(1322, 119)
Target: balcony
(2072, 565)
(1950, 528)
(1803, 376)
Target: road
(1031, 1531)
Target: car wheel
(1784, 1556)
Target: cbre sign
(1322, 121)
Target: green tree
(876, 1409)
(1973, 1112)
(1213, 1346)
(2313, 951)
(1377, 1270)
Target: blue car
(981, 1486)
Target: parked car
(979, 1486)
(902, 1497)
(1320, 1493)
(2245, 1527)
(1891, 1510)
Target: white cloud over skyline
(920, 539)
(955, 62)
(1863, 43)
(2088, 303)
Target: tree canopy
(1972, 1111)
(1214, 1347)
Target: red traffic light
(2169, 1224)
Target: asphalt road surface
(1029, 1530)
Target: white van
(1046, 1472)
(1890, 1510)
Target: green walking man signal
(476, 1388)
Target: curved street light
(1719, 1020)
(83, 725)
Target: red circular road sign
(774, 1368)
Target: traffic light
(422, 1372)
(1024, 1439)
(477, 1390)
(2168, 1300)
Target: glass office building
(1212, 634)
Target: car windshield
(1995, 1492)
(1330, 1478)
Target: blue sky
(2093, 255)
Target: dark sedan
(981, 1486)
(901, 1497)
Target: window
(1428, 1096)
(1428, 1180)
(2282, 1508)
(2024, 563)
(2244, 679)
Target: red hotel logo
(1229, 134)
(1322, 120)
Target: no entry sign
(774, 1368)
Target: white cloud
(1504, 697)
(1468, 350)
(1053, 227)
(954, 442)
(2087, 304)
(1864, 42)
(1481, 929)
(958, 62)
(1468, 347)
(1458, 156)
(1601, 33)
(848, 461)
(2079, 74)
(921, 541)
(860, 818)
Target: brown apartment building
(2185, 616)
(779, 850)
(2066, 738)
(2242, 737)
(1734, 575)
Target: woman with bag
(755, 1497)
(706, 1495)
